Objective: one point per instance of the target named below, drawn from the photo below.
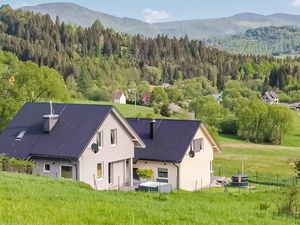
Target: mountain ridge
(195, 28)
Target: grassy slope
(37, 200)
(128, 111)
(293, 139)
(271, 161)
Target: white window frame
(165, 178)
(102, 170)
(201, 144)
(100, 137)
(60, 170)
(115, 137)
(47, 171)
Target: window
(99, 171)
(20, 135)
(100, 139)
(163, 173)
(66, 172)
(110, 173)
(210, 166)
(113, 137)
(46, 167)
(198, 145)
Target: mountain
(261, 41)
(195, 29)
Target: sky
(171, 10)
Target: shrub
(290, 203)
(229, 125)
(15, 165)
(297, 167)
(165, 111)
(145, 173)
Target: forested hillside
(95, 62)
(100, 59)
(274, 41)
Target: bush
(165, 111)
(290, 205)
(145, 173)
(229, 125)
(15, 165)
(297, 167)
(97, 94)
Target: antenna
(51, 108)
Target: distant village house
(119, 97)
(271, 97)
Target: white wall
(196, 171)
(122, 99)
(124, 150)
(172, 171)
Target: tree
(207, 109)
(159, 96)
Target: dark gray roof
(76, 126)
(171, 141)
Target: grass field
(293, 139)
(269, 161)
(37, 200)
(128, 111)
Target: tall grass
(31, 200)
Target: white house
(179, 152)
(119, 97)
(89, 143)
(271, 97)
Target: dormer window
(21, 135)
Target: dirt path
(258, 146)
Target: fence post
(256, 175)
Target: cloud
(26, 4)
(153, 16)
(296, 3)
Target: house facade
(178, 152)
(88, 143)
(271, 97)
(119, 97)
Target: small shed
(119, 97)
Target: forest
(94, 62)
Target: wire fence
(260, 178)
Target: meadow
(37, 200)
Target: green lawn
(271, 161)
(128, 111)
(293, 139)
(36, 200)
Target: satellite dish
(192, 154)
(95, 148)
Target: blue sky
(168, 10)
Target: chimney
(152, 128)
(50, 120)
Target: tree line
(94, 61)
